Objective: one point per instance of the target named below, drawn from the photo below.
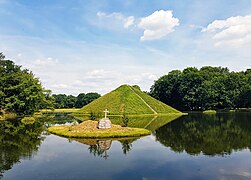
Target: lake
(195, 146)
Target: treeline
(191, 89)
(20, 91)
(70, 101)
(205, 88)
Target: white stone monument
(105, 122)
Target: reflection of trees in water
(208, 134)
(57, 118)
(100, 148)
(126, 145)
(18, 141)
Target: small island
(88, 129)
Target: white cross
(106, 111)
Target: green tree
(84, 99)
(244, 98)
(125, 120)
(70, 101)
(205, 88)
(91, 97)
(80, 100)
(2, 57)
(165, 89)
(20, 91)
(190, 83)
(60, 100)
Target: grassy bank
(88, 129)
(8, 116)
(209, 112)
(66, 110)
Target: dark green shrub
(92, 116)
(125, 120)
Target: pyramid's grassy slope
(129, 100)
(158, 106)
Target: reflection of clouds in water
(236, 173)
(148, 139)
(46, 153)
(46, 156)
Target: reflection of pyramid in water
(97, 147)
(105, 145)
(159, 121)
(148, 122)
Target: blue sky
(78, 46)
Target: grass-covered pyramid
(129, 100)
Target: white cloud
(46, 62)
(61, 86)
(99, 74)
(155, 26)
(158, 25)
(149, 76)
(116, 18)
(96, 72)
(234, 31)
(80, 83)
(129, 21)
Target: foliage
(70, 101)
(28, 120)
(203, 89)
(20, 91)
(92, 116)
(8, 116)
(125, 120)
(64, 101)
(84, 99)
(2, 57)
(129, 100)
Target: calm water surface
(191, 147)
